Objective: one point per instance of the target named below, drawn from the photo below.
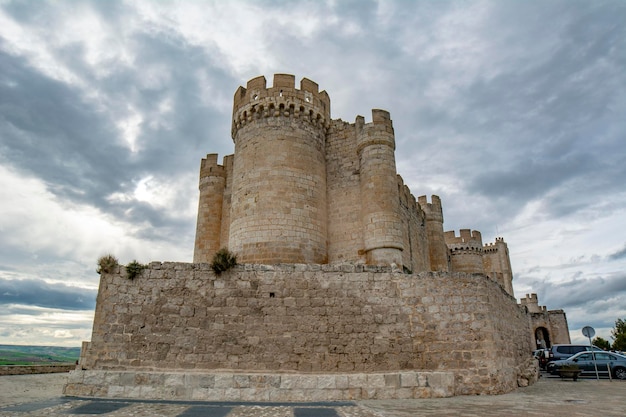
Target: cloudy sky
(512, 111)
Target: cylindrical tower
(278, 200)
(380, 200)
(437, 249)
(208, 227)
(466, 251)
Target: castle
(347, 286)
(302, 188)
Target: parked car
(585, 361)
(559, 352)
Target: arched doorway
(542, 336)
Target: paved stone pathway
(551, 396)
(107, 407)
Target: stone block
(241, 381)
(341, 382)
(304, 381)
(326, 382)
(232, 394)
(200, 380)
(111, 377)
(357, 381)
(115, 391)
(174, 380)
(223, 381)
(375, 381)
(392, 380)
(408, 380)
(200, 394)
(148, 392)
(127, 378)
(132, 391)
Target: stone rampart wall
(311, 319)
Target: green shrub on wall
(134, 268)
(223, 260)
(106, 264)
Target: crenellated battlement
(531, 302)
(494, 247)
(256, 101)
(530, 299)
(407, 198)
(465, 236)
(490, 248)
(210, 168)
(467, 241)
(378, 132)
(433, 210)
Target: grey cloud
(582, 292)
(37, 135)
(31, 292)
(84, 160)
(529, 179)
(620, 254)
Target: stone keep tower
(278, 206)
(274, 186)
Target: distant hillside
(37, 355)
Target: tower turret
(278, 201)
(466, 251)
(380, 206)
(437, 249)
(208, 227)
(532, 303)
(497, 264)
(505, 265)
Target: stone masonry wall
(555, 322)
(310, 319)
(558, 326)
(345, 237)
(415, 256)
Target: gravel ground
(16, 389)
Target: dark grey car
(604, 361)
(559, 352)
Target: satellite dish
(588, 331)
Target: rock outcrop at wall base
(336, 321)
